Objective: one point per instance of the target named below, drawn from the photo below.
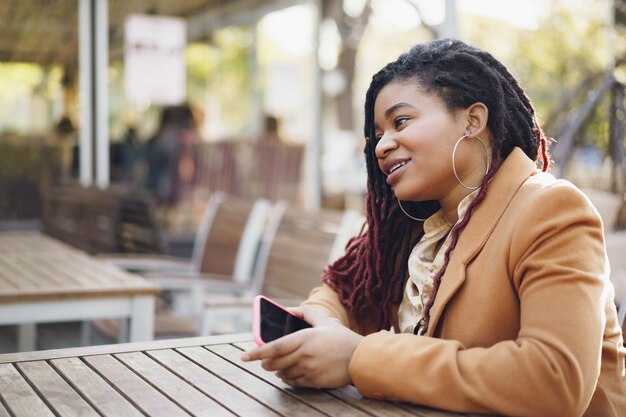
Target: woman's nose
(386, 144)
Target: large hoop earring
(486, 157)
(408, 215)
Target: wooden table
(44, 280)
(200, 376)
(20, 242)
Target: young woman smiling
(480, 283)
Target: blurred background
(263, 98)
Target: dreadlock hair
(370, 277)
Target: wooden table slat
(7, 283)
(15, 276)
(276, 399)
(40, 267)
(54, 270)
(319, 399)
(142, 394)
(179, 391)
(19, 396)
(65, 266)
(49, 275)
(23, 274)
(213, 386)
(59, 394)
(92, 272)
(382, 408)
(3, 411)
(31, 241)
(85, 380)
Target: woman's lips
(395, 175)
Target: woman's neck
(450, 204)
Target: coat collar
(515, 169)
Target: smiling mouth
(397, 166)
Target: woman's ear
(477, 116)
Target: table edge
(123, 347)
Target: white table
(43, 280)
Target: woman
(499, 302)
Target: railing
(258, 169)
(253, 170)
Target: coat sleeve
(326, 298)
(557, 267)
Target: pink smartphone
(271, 321)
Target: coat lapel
(516, 168)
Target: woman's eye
(400, 121)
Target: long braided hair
(370, 277)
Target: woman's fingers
(304, 358)
(278, 363)
(300, 381)
(278, 348)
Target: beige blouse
(424, 264)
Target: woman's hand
(318, 357)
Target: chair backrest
(117, 219)
(202, 234)
(229, 236)
(298, 245)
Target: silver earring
(407, 214)
(454, 167)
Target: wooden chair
(117, 219)
(297, 246)
(224, 256)
(137, 263)
(223, 259)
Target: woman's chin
(403, 195)
(411, 197)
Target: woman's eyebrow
(395, 107)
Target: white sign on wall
(154, 59)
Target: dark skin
(302, 359)
(416, 134)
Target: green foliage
(18, 79)
(19, 82)
(569, 46)
(220, 72)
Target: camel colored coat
(524, 323)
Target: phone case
(256, 320)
